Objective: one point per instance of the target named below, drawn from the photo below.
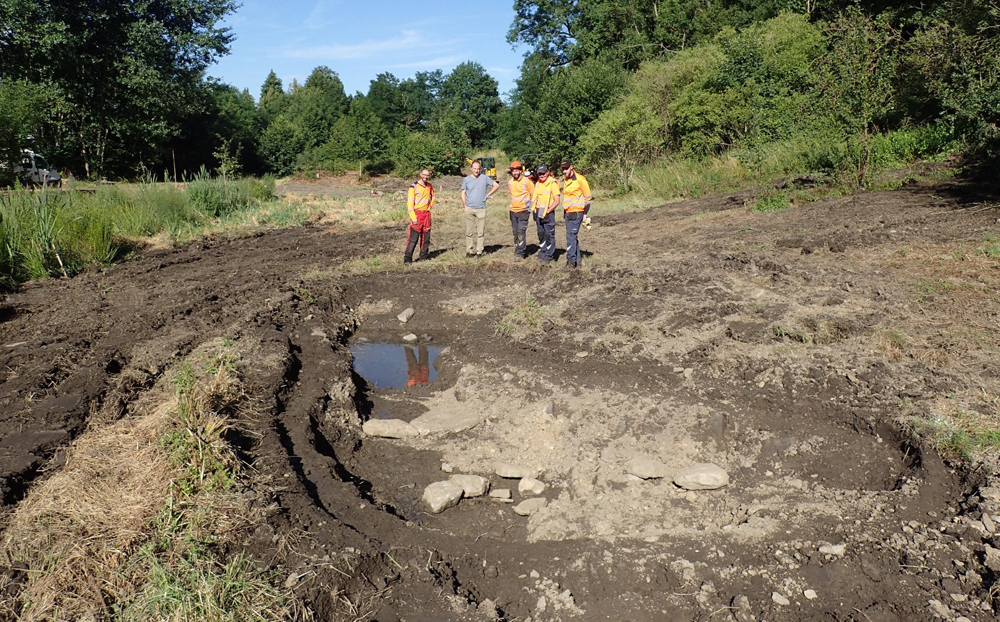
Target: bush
(221, 197)
(415, 151)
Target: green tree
(622, 138)
(280, 145)
(314, 107)
(358, 137)
(22, 110)
(127, 70)
(273, 99)
(468, 105)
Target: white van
(35, 171)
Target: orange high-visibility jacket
(576, 194)
(520, 193)
(419, 199)
(545, 195)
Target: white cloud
(440, 62)
(407, 42)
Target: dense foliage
(118, 89)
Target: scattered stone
(582, 355)
(702, 476)
(292, 580)
(810, 594)
(688, 372)
(992, 560)
(678, 370)
(988, 523)
(836, 550)
(530, 506)
(530, 486)
(691, 496)
(488, 608)
(515, 471)
(500, 494)
(405, 316)
(446, 467)
(798, 484)
(389, 428)
(473, 485)
(741, 609)
(507, 376)
(439, 422)
(534, 574)
(540, 606)
(959, 598)
(440, 496)
(962, 619)
(780, 599)
(410, 337)
(646, 468)
(940, 609)
(550, 409)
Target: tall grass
(808, 153)
(48, 233)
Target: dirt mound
(787, 349)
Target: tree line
(119, 89)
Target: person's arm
(410, 198)
(463, 198)
(587, 195)
(493, 190)
(434, 198)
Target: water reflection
(394, 365)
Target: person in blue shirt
(476, 188)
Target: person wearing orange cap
(521, 188)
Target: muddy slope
(700, 333)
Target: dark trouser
(546, 228)
(519, 226)
(573, 253)
(419, 233)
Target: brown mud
(767, 344)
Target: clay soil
(792, 349)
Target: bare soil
(790, 349)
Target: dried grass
(75, 530)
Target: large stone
(389, 428)
(405, 316)
(473, 485)
(516, 471)
(440, 496)
(647, 468)
(702, 477)
(992, 559)
(530, 506)
(439, 422)
(530, 486)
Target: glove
(586, 223)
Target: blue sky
(361, 39)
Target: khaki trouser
(475, 230)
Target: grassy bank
(135, 525)
(52, 233)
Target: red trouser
(419, 232)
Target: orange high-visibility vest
(520, 193)
(545, 195)
(576, 194)
(419, 199)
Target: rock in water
(702, 477)
(646, 468)
(530, 506)
(389, 428)
(440, 496)
(473, 485)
